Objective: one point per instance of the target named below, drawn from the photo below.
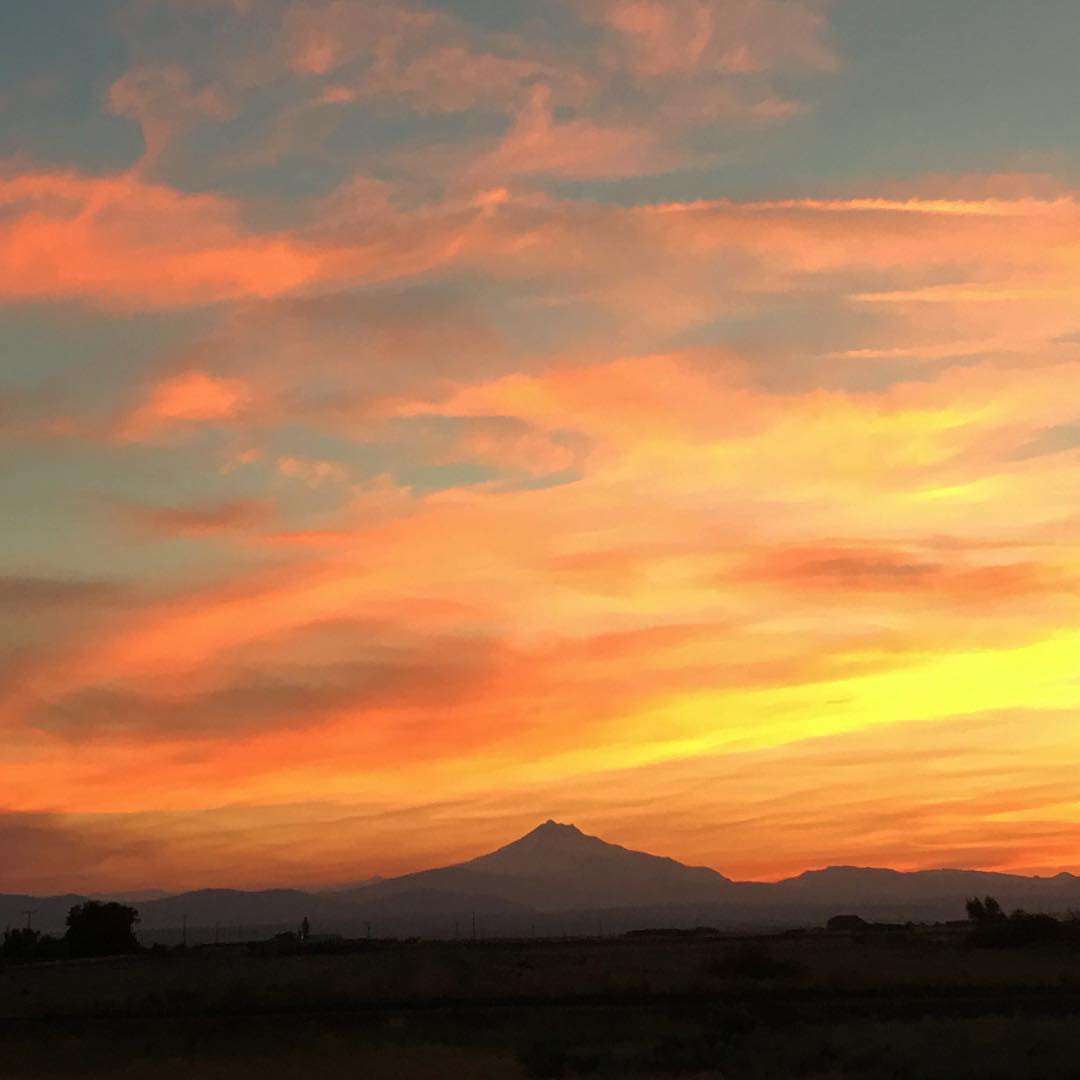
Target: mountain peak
(551, 827)
(589, 866)
(551, 846)
(556, 836)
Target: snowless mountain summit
(558, 867)
(555, 849)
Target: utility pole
(183, 932)
(30, 917)
(474, 926)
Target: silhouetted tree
(994, 928)
(97, 929)
(984, 911)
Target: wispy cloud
(535, 409)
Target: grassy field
(812, 1006)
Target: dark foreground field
(813, 1006)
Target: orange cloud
(729, 36)
(123, 241)
(917, 575)
(162, 101)
(922, 799)
(759, 511)
(183, 400)
(312, 472)
(679, 520)
(608, 568)
(198, 520)
(695, 63)
(322, 37)
(699, 490)
(538, 145)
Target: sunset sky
(421, 420)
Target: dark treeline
(96, 929)
(93, 929)
(993, 927)
(987, 924)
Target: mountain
(138, 896)
(235, 908)
(558, 880)
(233, 911)
(45, 912)
(350, 886)
(922, 894)
(557, 868)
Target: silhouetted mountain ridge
(558, 879)
(557, 867)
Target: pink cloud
(161, 99)
(733, 37)
(201, 519)
(540, 145)
(312, 471)
(124, 241)
(321, 38)
(184, 400)
(590, 548)
(454, 78)
(697, 62)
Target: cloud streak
(524, 410)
